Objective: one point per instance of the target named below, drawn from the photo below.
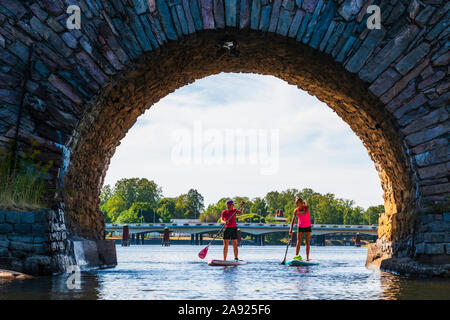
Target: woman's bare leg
(235, 247)
(299, 243)
(307, 239)
(225, 249)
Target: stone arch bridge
(78, 91)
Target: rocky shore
(13, 275)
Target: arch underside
(155, 75)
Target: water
(155, 272)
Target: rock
(13, 275)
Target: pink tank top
(303, 219)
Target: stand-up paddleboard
(298, 263)
(226, 262)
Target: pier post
(192, 239)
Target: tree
(259, 206)
(113, 207)
(105, 194)
(194, 203)
(372, 214)
(138, 190)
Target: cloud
(316, 148)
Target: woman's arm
(292, 222)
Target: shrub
(22, 179)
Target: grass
(22, 180)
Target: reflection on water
(154, 272)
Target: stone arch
(86, 87)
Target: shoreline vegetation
(22, 179)
(139, 200)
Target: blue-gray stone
(219, 14)
(244, 14)
(424, 15)
(312, 23)
(350, 8)
(5, 228)
(439, 27)
(2, 217)
(255, 14)
(342, 40)
(148, 31)
(12, 217)
(20, 50)
(27, 217)
(358, 59)
(175, 20)
(140, 6)
(412, 59)
(166, 19)
(182, 19)
(342, 54)
(325, 20)
(196, 14)
(265, 18)
(327, 36)
(138, 29)
(274, 16)
(230, 12)
(188, 15)
(22, 228)
(296, 23)
(391, 51)
(395, 13)
(284, 22)
(303, 26)
(337, 34)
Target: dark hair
(298, 199)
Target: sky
(234, 134)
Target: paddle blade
(202, 254)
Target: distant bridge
(250, 228)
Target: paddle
(285, 254)
(202, 254)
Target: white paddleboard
(226, 262)
(297, 263)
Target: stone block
(4, 243)
(409, 61)
(27, 217)
(436, 248)
(22, 228)
(419, 248)
(4, 252)
(437, 226)
(446, 217)
(20, 247)
(5, 228)
(39, 229)
(434, 237)
(107, 252)
(37, 265)
(12, 217)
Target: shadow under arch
(155, 75)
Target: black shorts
(307, 229)
(230, 234)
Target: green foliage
(251, 218)
(22, 179)
(123, 204)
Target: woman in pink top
(304, 226)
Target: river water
(155, 272)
